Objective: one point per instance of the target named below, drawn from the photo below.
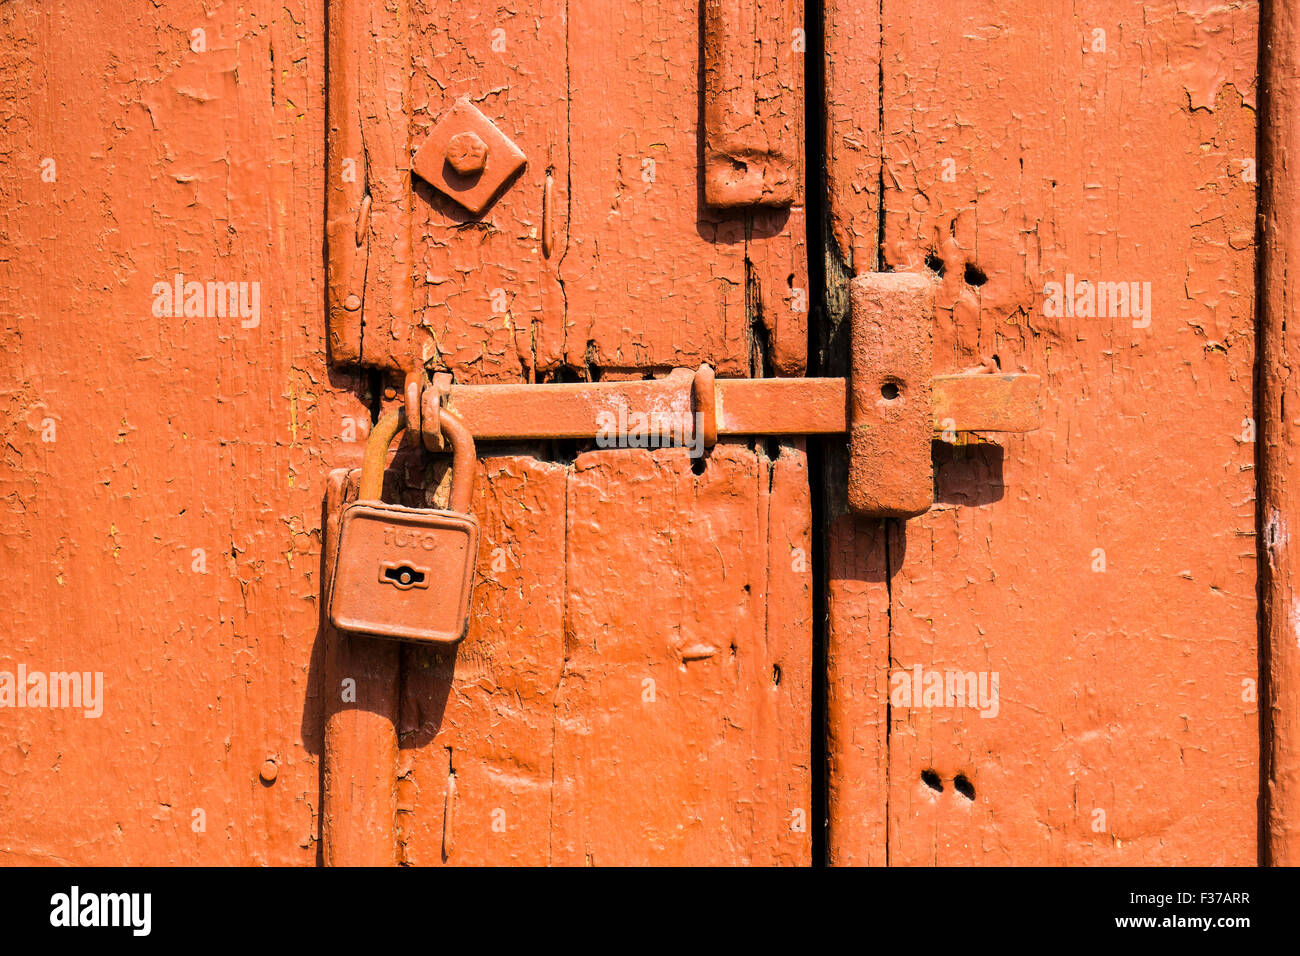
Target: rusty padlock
(407, 573)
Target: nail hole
(975, 275)
(890, 391)
(776, 675)
(699, 464)
(964, 786)
(932, 780)
(934, 264)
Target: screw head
(467, 153)
(269, 772)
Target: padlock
(407, 573)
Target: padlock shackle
(371, 487)
(381, 437)
(463, 458)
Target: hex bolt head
(467, 153)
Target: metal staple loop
(433, 402)
(462, 465)
(704, 400)
(413, 392)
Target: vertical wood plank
(1103, 566)
(1279, 386)
(170, 527)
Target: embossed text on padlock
(407, 573)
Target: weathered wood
(534, 744)
(1127, 728)
(368, 187)
(1279, 428)
(750, 106)
(361, 687)
(168, 529)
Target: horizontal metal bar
(749, 406)
(987, 403)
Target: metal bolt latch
(891, 406)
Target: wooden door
(636, 683)
(1104, 566)
(666, 655)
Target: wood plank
(488, 292)
(642, 246)
(171, 530)
(478, 722)
(1126, 731)
(1280, 440)
(682, 708)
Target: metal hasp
(891, 420)
(891, 406)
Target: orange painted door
(636, 682)
(666, 655)
(1041, 161)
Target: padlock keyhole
(405, 576)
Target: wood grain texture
(163, 517)
(368, 186)
(1127, 730)
(487, 294)
(601, 254)
(1279, 382)
(535, 744)
(852, 90)
(750, 101)
(857, 691)
(363, 688)
(173, 433)
(635, 684)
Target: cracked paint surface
(1124, 691)
(171, 535)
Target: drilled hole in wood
(975, 275)
(932, 780)
(890, 391)
(964, 786)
